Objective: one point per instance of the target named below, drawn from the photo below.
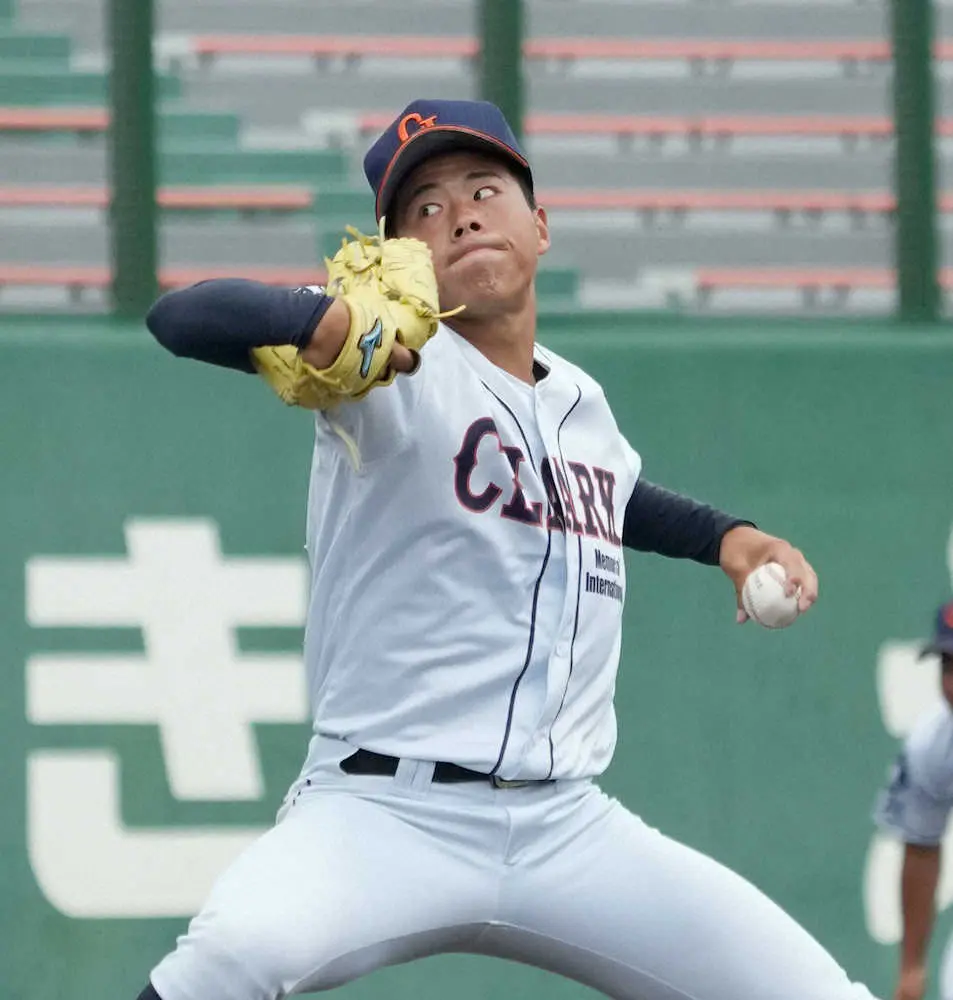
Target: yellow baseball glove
(390, 289)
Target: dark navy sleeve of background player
(220, 321)
(669, 524)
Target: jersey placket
(523, 756)
(553, 407)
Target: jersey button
(562, 649)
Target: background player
(916, 805)
(464, 531)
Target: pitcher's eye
(431, 208)
(483, 193)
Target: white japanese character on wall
(191, 681)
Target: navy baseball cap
(942, 641)
(426, 128)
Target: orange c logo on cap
(418, 120)
(948, 615)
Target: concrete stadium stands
(701, 154)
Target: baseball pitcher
(470, 499)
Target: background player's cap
(426, 128)
(942, 641)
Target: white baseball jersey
(917, 802)
(464, 535)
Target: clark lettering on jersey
(504, 584)
(586, 510)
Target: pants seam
(382, 943)
(596, 954)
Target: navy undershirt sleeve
(670, 524)
(220, 321)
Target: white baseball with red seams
(765, 600)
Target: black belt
(369, 762)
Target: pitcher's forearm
(220, 321)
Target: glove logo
(368, 344)
(403, 131)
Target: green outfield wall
(152, 554)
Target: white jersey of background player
(916, 805)
(465, 534)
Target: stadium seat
(54, 275)
(334, 209)
(774, 143)
(551, 283)
(48, 196)
(76, 120)
(276, 198)
(862, 202)
(707, 279)
(811, 288)
(78, 277)
(714, 126)
(180, 276)
(409, 46)
(555, 288)
(722, 50)
(207, 47)
(199, 126)
(173, 125)
(262, 198)
(208, 125)
(213, 165)
(18, 45)
(804, 279)
(30, 84)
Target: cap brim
(432, 142)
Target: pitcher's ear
(542, 228)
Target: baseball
(764, 599)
